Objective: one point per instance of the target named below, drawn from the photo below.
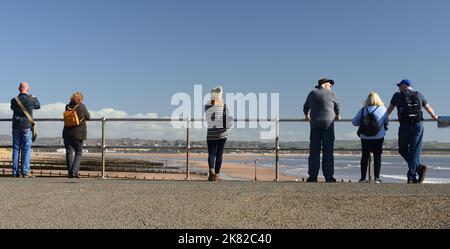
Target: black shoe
(377, 180)
(311, 179)
(412, 181)
(422, 172)
(330, 179)
(362, 180)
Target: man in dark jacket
(74, 135)
(22, 134)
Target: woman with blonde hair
(218, 131)
(373, 121)
(75, 132)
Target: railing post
(103, 147)
(188, 148)
(277, 150)
(370, 168)
(256, 165)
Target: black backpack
(410, 110)
(368, 125)
(225, 118)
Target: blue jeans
(215, 153)
(321, 138)
(22, 140)
(74, 151)
(410, 146)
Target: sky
(129, 57)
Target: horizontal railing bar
(98, 147)
(50, 147)
(205, 148)
(307, 149)
(345, 120)
(384, 149)
(148, 147)
(282, 120)
(238, 148)
(140, 120)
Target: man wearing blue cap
(409, 105)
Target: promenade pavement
(94, 203)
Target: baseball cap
(405, 82)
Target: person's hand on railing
(430, 111)
(308, 117)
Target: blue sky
(134, 55)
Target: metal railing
(188, 148)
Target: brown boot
(212, 175)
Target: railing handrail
(281, 120)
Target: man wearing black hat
(409, 105)
(321, 109)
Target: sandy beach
(199, 168)
(231, 170)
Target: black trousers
(376, 147)
(215, 153)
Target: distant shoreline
(251, 154)
(388, 154)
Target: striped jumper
(215, 121)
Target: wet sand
(232, 171)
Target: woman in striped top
(216, 113)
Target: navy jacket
(20, 121)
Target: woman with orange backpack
(75, 131)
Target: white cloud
(144, 130)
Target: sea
(393, 168)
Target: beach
(242, 170)
(199, 168)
